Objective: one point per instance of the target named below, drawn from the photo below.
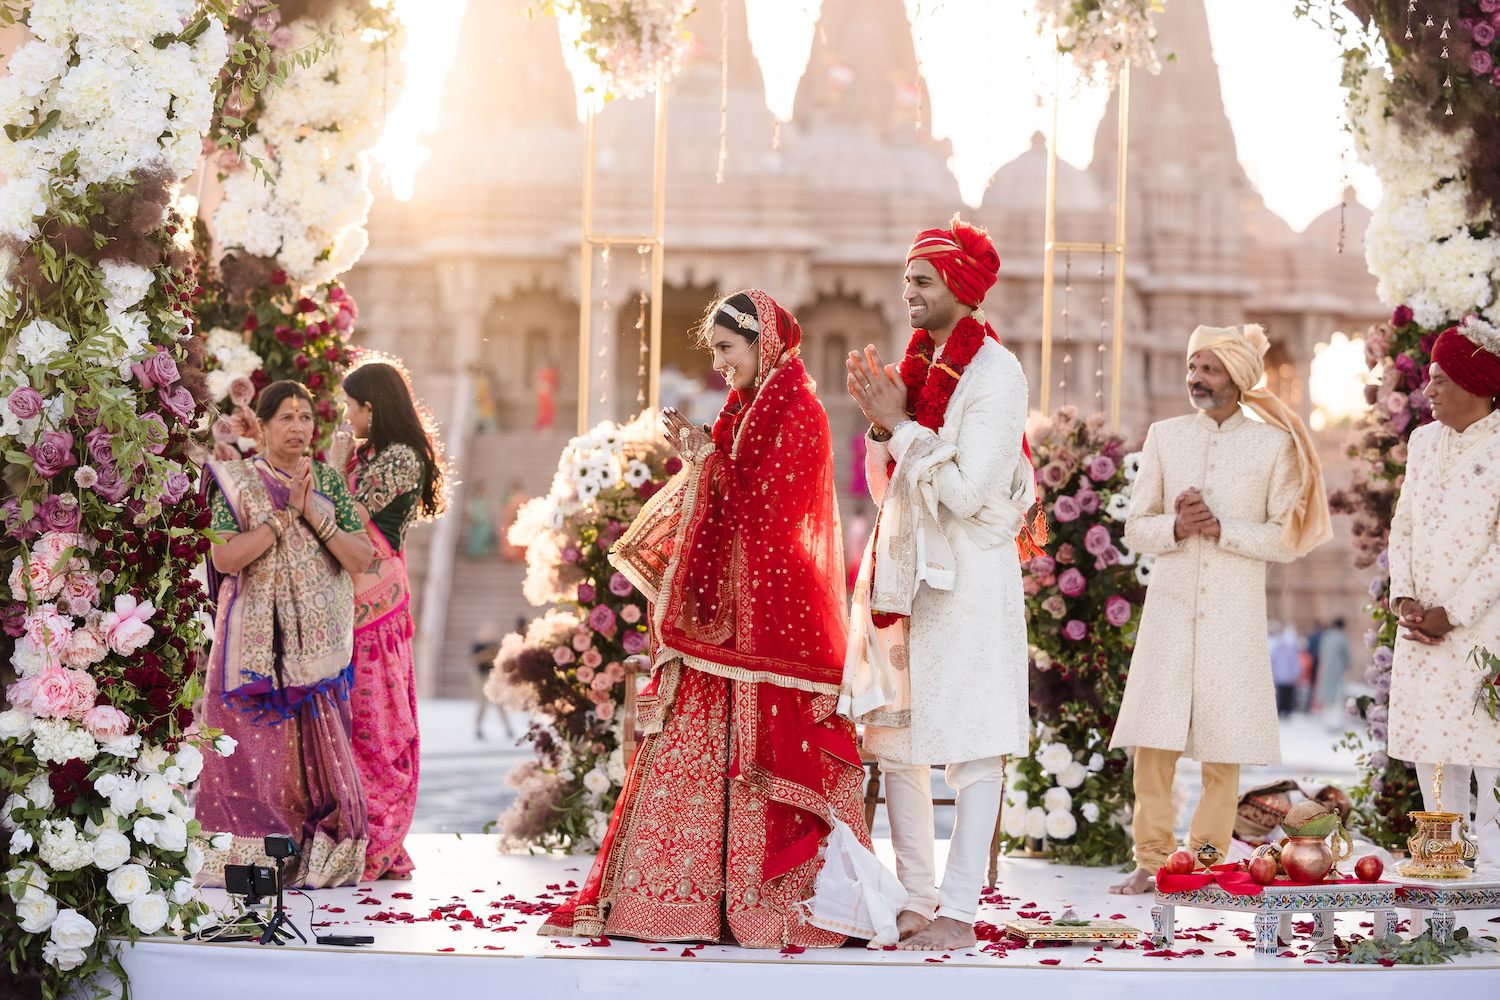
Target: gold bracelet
(327, 529)
(274, 523)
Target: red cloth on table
(1232, 878)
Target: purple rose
(178, 402)
(1378, 733)
(1379, 761)
(1480, 61)
(60, 513)
(620, 585)
(14, 617)
(25, 402)
(1383, 683)
(1377, 715)
(157, 434)
(1043, 565)
(1401, 421)
(1088, 501)
(1096, 539)
(1484, 33)
(1065, 508)
(110, 486)
(156, 371)
(1075, 630)
(1101, 468)
(224, 431)
(177, 486)
(602, 618)
(1072, 582)
(585, 590)
(14, 526)
(634, 642)
(1109, 557)
(52, 453)
(1377, 586)
(98, 442)
(1117, 610)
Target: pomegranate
(1263, 870)
(1369, 868)
(1179, 863)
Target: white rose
(172, 835)
(13, 801)
(1060, 824)
(20, 842)
(596, 781)
(183, 891)
(190, 759)
(106, 783)
(125, 797)
(35, 911)
(1054, 757)
(151, 761)
(173, 774)
(149, 912)
(72, 929)
(1014, 820)
(225, 745)
(1036, 822)
(111, 849)
(122, 746)
(1090, 811)
(1096, 763)
(1056, 798)
(15, 724)
(39, 792)
(127, 883)
(1072, 776)
(26, 876)
(156, 794)
(221, 841)
(194, 860)
(63, 958)
(145, 830)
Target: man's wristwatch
(878, 433)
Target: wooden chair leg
(872, 795)
(994, 872)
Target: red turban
(1475, 368)
(963, 255)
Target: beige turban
(1242, 349)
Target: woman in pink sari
(396, 478)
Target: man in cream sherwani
(1445, 583)
(937, 662)
(1218, 496)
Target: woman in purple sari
(280, 668)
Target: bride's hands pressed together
(692, 443)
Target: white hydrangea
(59, 741)
(126, 283)
(63, 846)
(40, 339)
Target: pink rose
(592, 659)
(1396, 402)
(177, 401)
(620, 585)
(1047, 580)
(1117, 610)
(80, 588)
(630, 614)
(157, 434)
(585, 674)
(1030, 587)
(224, 430)
(1096, 539)
(598, 696)
(562, 656)
(602, 682)
(1043, 565)
(1398, 454)
(241, 390)
(60, 513)
(1072, 583)
(1065, 554)
(585, 590)
(1075, 630)
(616, 671)
(602, 618)
(25, 402)
(1055, 606)
(633, 641)
(125, 627)
(605, 710)
(582, 640)
(155, 370)
(1101, 468)
(105, 722)
(85, 694)
(1109, 557)
(1484, 33)
(52, 453)
(22, 692)
(56, 691)
(1065, 509)
(1053, 475)
(109, 485)
(100, 444)
(85, 648)
(47, 631)
(1088, 501)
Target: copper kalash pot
(1440, 846)
(1306, 855)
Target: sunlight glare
(432, 28)
(781, 36)
(1337, 383)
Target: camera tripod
(277, 928)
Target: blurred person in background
(1286, 666)
(1333, 664)
(482, 654)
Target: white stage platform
(494, 950)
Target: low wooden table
(1274, 907)
(1442, 897)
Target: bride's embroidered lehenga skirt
(680, 863)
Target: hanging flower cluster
(311, 134)
(569, 668)
(1083, 601)
(1103, 36)
(100, 382)
(631, 41)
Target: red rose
(331, 355)
(300, 362)
(1401, 316)
(325, 410)
(306, 305)
(278, 277)
(259, 379)
(251, 322)
(673, 465)
(315, 381)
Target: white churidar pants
(1456, 799)
(979, 784)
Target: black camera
(279, 845)
(250, 880)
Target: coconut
(1304, 812)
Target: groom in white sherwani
(937, 661)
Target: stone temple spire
(863, 72)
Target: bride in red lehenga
(744, 768)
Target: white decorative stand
(1274, 907)
(1442, 898)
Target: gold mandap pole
(591, 239)
(1051, 245)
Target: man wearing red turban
(1445, 582)
(937, 658)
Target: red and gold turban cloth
(964, 256)
(1469, 354)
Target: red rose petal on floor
(1117, 916)
(554, 886)
(1091, 958)
(1224, 954)
(602, 942)
(1287, 954)
(793, 949)
(335, 909)
(658, 949)
(1051, 961)
(936, 961)
(888, 947)
(570, 884)
(1312, 961)
(368, 901)
(494, 947)
(445, 949)
(401, 895)
(687, 953)
(465, 914)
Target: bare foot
(1138, 882)
(942, 934)
(909, 922)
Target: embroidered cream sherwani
(1200, 678)
(1445, 552)
(966, 647)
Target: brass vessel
(1439, 848)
